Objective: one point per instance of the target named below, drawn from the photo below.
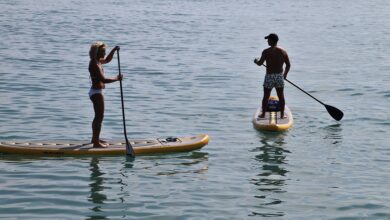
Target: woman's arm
(109, 56)
(101, 76)
(111, 80)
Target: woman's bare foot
(103, 142)
(99, 145)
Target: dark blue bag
(273, 105)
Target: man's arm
(261, 60)
(288, 64)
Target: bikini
(93, 91)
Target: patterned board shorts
(274, 80)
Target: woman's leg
(98, 106)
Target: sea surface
(188, 69)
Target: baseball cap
(272, 36)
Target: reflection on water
(129, 162)
(97, 197)
(115, 186)
(333, 133)
(271, 178)
(192, 162)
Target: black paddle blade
(130, 152)
(129, 149)
(336, 113)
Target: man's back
(275, 58)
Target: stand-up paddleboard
(141, 146)
(272, 120)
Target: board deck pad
(272, 120)
(115, 147)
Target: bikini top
(94, 78)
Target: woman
(96, 54)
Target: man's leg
(282, 102)
(264, 103)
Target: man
(275, 57)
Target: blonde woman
(97, 55)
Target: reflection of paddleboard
(272, 120)
(140, 146)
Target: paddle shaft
(302, 90)
(129, 148)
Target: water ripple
(188, 69)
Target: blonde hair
(95, 49)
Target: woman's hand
(119, 77)
(110, 55)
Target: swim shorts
(274, 80)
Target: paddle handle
(129, 148)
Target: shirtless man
(275, 57)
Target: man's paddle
(336, 113)
(129, 148)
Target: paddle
(129, 148)
(336, 113)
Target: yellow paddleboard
(140, 146)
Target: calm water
(188, 70)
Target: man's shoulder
(267, 50)
(274, 50)
(282, 49)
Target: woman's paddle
(336, 113)
(129, 148)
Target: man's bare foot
(283, 117)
